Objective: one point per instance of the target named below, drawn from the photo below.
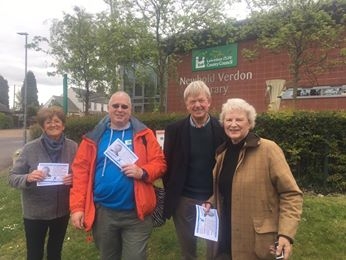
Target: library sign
(215, 58)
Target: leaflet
(120, 154)
(207, 225)
(54, 173)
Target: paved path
(10, 141)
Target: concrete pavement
(10, 141)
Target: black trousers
(35, 234)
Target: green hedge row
(76, 127)
(314, 143)
(6, 122)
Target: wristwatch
(145, 175)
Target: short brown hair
(48, 112)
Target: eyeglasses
(53, 122)
(116, 106)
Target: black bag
(157, 215)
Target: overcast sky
(33, 17)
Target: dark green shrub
(314, 143)
(6, 122)
(34, 131)
(157, 121)
(76, 127)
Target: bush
(34, 131)
(6, 122)
(76, 127)
(314, 143)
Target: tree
(305, 29)
(73, 45)
(170, 22)
(31, 95)
(96, 51)
(92, 49)
(4, 99)
(122, 41)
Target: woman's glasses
(116, 106)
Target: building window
(316, 92)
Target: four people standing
(116, 203)
(189, 148)
(252, 187)
(45, 208)
(255, 193)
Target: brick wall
(248, 81)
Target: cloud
(33, 17)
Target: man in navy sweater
(189, 148)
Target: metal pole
(14, 97)
(65, 103)
(25, 83)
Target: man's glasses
(116, 106)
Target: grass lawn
(321, 235)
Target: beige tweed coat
(266, 200)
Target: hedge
(314, 143)
(6, 121)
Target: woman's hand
(35, 176)
(206, 206)
(283, 244)
(67, 180)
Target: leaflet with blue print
(120, 154)
(54, 173)
(207, 224)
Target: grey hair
(120, 93)
(241, 104)
(195, 88)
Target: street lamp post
(25, 82)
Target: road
(10, 141)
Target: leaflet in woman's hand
(207, 224)
(54, 173)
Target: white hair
(241, 104)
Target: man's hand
(133, 171)
(77, 219)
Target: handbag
(157, 215)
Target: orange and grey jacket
(150, 159)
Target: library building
(264, 82)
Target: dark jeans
(35, 234)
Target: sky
(35, 18)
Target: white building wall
(74, 98)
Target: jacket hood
(101, 126)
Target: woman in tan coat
(255, 193)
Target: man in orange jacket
(116, 202)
